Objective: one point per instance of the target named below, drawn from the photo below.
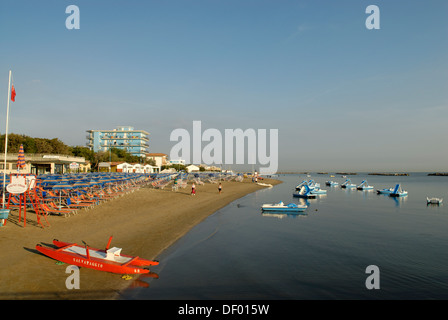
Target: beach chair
(79, 200)
(54, 206)
(59, 211)
(13, 202)
(102, 196)
(89, 197)
(74, 205)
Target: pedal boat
(109, 259)
(281, 207)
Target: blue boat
(398, 192)
(313, 186)
(304, 192)
(385, 191)
(347, 184)
(281, 207)
(364, 186)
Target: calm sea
(240, 253)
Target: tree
(83, 152)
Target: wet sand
(143, 223)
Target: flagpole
(6, 141)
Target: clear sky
(344, 98)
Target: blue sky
(342, 97)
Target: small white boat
(347, 184)
(364, 186)
(331, 183)
(318, 191)
(398, 192)
(304, 192)
(434, 200)
(384, 191)
(281, 207)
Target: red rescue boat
(110, 259)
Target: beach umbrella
(21, 159)
(50, 180)
(62, 184)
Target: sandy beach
(147, 220)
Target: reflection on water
(321, 253)
(284, 215)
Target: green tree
(83, 152)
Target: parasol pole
(6, 141)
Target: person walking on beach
(193, 189)
(220, 188)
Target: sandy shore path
(143, 223)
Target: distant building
(177, 161)
(210, 168)
(160, 159)
(122, 166)
(192, 168)
(36, 163)
(126, 138)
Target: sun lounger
(59, 211)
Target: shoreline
(144, 223)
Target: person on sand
(193, 189)
(220, 188)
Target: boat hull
(434, 201)
(304, 196)
(283, 208)
(72, 253)
(400, 194)
(287, 210)
(320, 191)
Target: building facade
(126, 138)
(44, 164)
(176, 161)
(160, 159)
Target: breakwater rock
(387, 174)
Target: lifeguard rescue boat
(110, 259)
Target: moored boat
(318, 191)
(364, 186)
(312, 186)
(347, 184)
(398, 192)
(304, 192)
(385, 191)
(109, 259)
(434, 200)
(281, 207)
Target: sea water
(241, 253)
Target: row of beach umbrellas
(75, 181)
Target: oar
(87, 250)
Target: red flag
(13, 93)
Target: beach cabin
(119, 166)
(136, 168)
(147, 168)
